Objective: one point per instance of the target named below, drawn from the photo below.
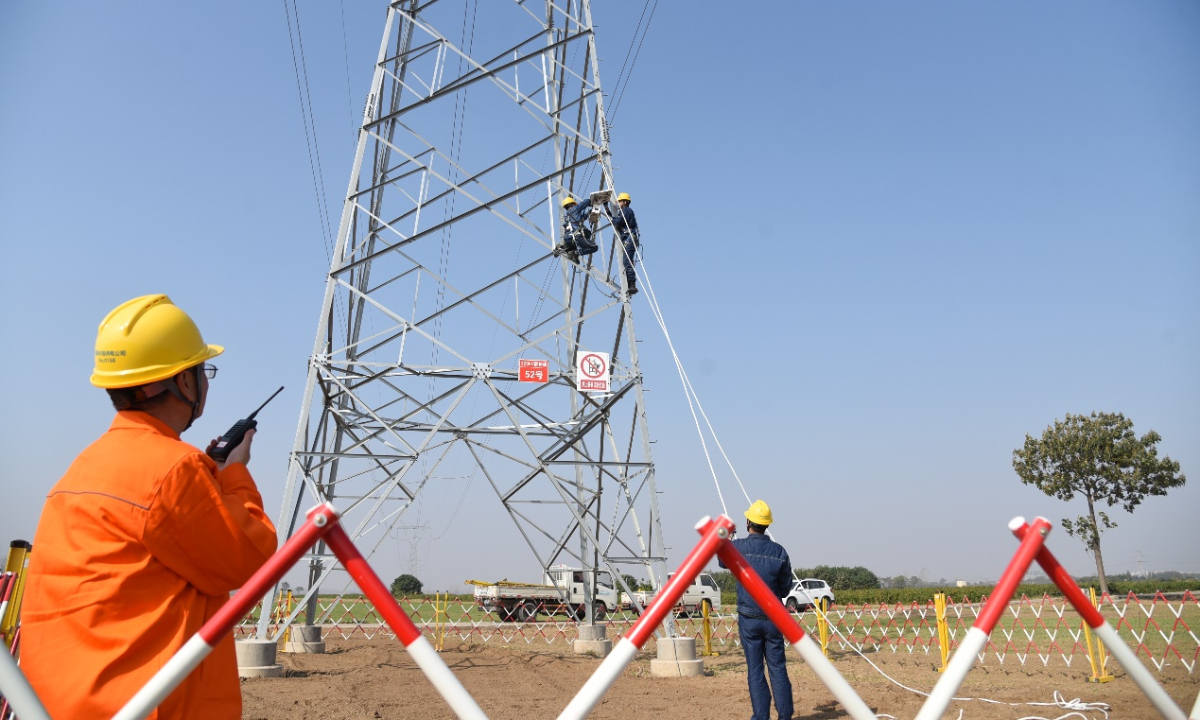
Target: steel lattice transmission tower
(481, 117)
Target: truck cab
(572, 581)
(703, 591)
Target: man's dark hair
(134, 398)
(755, 528)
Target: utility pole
(450, 332)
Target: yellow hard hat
(568, 200)
(759, 513)
(623, 196)
(147, 339)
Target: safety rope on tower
(693, 398)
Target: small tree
(406, 585)
(1100, 458)
(630, 580)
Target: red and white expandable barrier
(1128, 659)
(714, 540)
(8, 581)
(321, 522)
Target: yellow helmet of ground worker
(759, 513)
(147, 339)
(568, 200)
(623, 196)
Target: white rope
(1076, 706)
(656, 311)
(689, 389)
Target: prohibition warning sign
(591, 371)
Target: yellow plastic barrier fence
(943, 629)
(1097, 655)
(17, 563)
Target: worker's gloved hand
(240, 454)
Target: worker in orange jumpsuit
(145, 536)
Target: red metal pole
(321, 519)
(1060, 577)
(1015, 572)
(713, 535)
(763, 595)
(366, 579)
(782, 619)
(977, 637)
(1128, 659)
(420, 649)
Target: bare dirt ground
(372, 679)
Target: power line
(300, 68)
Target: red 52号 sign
(533, 371)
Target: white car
(808, 592)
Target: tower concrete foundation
(256, 658)
(676, 658)
(592, 640)
(304, 639)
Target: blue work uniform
(577, 238)
(761, 640)
(625, 223)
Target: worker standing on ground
(625, 223)
(577, 236)
(760, 638)
(143, 539)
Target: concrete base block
(304, 639)
(599, 648)
(676, 658)
(256, 658)
(592, 640)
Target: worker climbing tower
(451, 334)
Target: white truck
(561, 593)
(703, 591)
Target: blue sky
(889, 239)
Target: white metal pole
(810, 651)
(1128, 659)
(600, 681)
(444, 681)
(956, 672)
(16, 689)
(165, 680)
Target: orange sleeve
(209, 528)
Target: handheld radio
(234, 435)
